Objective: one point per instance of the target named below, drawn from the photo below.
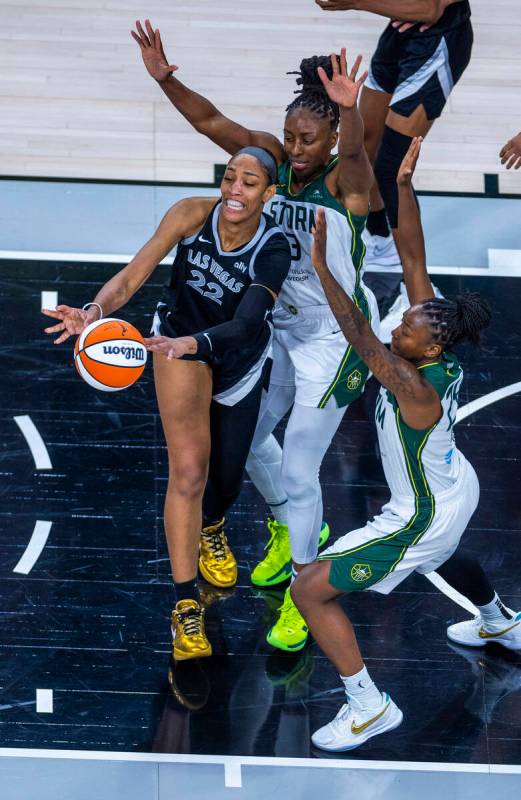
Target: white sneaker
(473, 633)
(380, 251)
(354, 725)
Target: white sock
(495, 613)
(361, 687)
(279, 512)
(294, 573)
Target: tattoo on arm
(393, 372)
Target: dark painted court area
(91, 619)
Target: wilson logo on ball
(110, 355)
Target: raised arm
(354, 175)
(405, 10)
(412, 245)
(418, 401)
(183, 219)
(200, 112)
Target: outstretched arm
(406, 10)
(412, 245)
(183, 219)
(354, 174)
(195, 108)
(417, 399)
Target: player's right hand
(409, 162)
(510, 153)
(152, 51)
(72, 321)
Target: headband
(264, 157)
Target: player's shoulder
(273, 236)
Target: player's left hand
(510, 153)
(319, 244)
(343, 88)
(172, 348)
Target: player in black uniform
(212, 334)
(417, 63)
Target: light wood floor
(76, 101)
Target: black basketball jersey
(207, 284)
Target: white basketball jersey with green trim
(296, 215)
(427, 462)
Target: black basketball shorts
(420, 68)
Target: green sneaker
(290, 632)
(275, 567)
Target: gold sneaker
(188, 634)
(216, 561)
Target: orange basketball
(110, 355)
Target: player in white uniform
(434, 489)
(315, 370)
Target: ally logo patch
(361, 572)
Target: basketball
(110, 355)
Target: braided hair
(454, 321)
(312, 95)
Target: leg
(308, 435)
(232, 429)
(374, 108)
(184, 391)
(368, 711)
(317, 601)
(495, 622)
(264, 463)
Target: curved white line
(34, 549)
(35, 442)
(463, 413)
(486, 400)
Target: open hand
(172, 348)
(510, 153)
(343, 88)
(72, 321)
(409, 162)
(152, 51)
(319, 244)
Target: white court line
(49, 300)
(94, 258)
(487, 400)
(44, 701)
(316, 763)
(505, 271)
(35, 442)
(232, 774)
(34, 549)
(463, 413)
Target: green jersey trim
(351, 375)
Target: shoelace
(275, 541)
(191, 621)
(217, 544)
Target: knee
(187, 478)
(305, 589)
(392, 150)
(299, 484)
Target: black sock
(377, 224)
(186, 590)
